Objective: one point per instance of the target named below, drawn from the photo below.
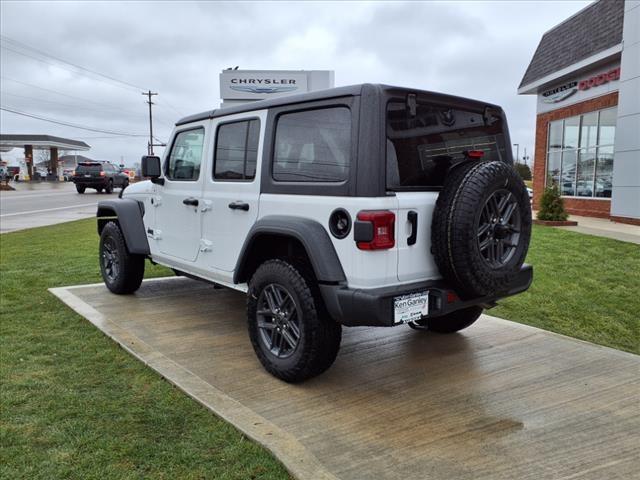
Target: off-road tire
(320, 336)
(130, 267)
(456, 219)
(99, 190)
(109, 187)
(450, 323)
(80, 189)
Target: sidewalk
(603, 227)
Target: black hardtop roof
(351, 90)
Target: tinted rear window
(422, 147)
(88, 168)
(313, 146)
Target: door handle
(413, 219)
(239, 206)
(193, 202)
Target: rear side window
(186, 155)
(422, 147)
(237, 150)
(313, 146)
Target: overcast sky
(473, 49)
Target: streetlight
(517, 145)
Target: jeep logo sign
(255, 85)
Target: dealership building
(585, 74)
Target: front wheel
(292, 336)
(109, 187)
(450, 323)
(122, 271)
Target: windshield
(422, 147)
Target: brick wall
(590, 207)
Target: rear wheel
(122, 271)
(80, 188)
(291, 334)
(450, 323)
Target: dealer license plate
(411, 307)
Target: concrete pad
(498, 401)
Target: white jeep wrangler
(363, 205)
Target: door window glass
(186, 155)
(237, 150)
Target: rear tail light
(380, 230)
(102, 174)
(475, 154)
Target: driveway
(498, 401)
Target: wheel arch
(276, 236)
(128, 214)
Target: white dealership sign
(241, 86)
(255, 85)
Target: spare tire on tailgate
(481, 227)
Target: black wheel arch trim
(310, 233)
(129, 213)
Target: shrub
(551, 204)
(523, 170)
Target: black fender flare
(310, 233)
(129, 213)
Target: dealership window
(580, 153)
(313, 146)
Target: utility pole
(517, 145)
(149, 94)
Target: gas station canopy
(44, 142)
(40, 142)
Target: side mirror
(151, 168)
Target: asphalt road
(45, 204)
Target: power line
(58, 59)
(103, 105)
(72, 125)
(75, 65)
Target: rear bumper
(374, 307)
(90, 182)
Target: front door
(177, 226)
(232, 190)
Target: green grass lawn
(74, 405)
(584, 286)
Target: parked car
(364, 205)
(100, 176)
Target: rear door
(422, 146)
(232, 189)
(177, 203)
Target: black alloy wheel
(121, 270)
(110, 259)
(499, 228)
(278, 321)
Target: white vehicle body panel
(415, 262)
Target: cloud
(474, 49)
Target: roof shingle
(590, 31)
